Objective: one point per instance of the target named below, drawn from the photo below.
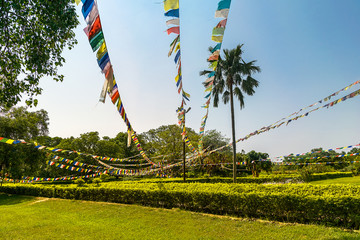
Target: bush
(335, 205)
(80, 182)
(96, 181)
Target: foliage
(166, 140)
(256, 162)
(96, 181)
(233, 74)
(233, 77)
(33, 35)
(213, 139)
(335, 205)
(18, 123)
(49, 219)
(80, 182)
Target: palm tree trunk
(233, 132)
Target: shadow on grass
(9, 199)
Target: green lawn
(23, 217)
(345, 180)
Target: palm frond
(239, 95)
(248, 85)
(226, 97)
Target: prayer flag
(95, 28)
(175, 30)
(86, 8)
(218, 39)
(224, 4)
(177, 47)
(222, 23)
(218, 31)
(102, 50)
(177, 57)
(96, 41)
(173, 44)
(171, 4)
(217, 47)
(94, 13)
(174, 21)
(222, 13)
(172, 13)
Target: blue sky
(306, 49)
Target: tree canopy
(33, 35)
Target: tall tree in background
(33, 34)
(234, 77)
(18, 123)
(165, 140)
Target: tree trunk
(233, 132)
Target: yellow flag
(177, 47)
(186, 94)
(177, 77)
(77, 2)
(218, 39)
(101, 52)
(171, 4)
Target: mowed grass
(344, 180)
(23, 217)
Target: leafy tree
(121, 140)
(233, 77)
(255, 162)
(33, 35)
(18, 123)
(49, 141)
(214, 139)
(319, 155)
(167, 140)
(87, 142)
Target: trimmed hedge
(262, 179)
(335, 205)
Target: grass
(345, 180)
(23, 217)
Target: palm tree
(233, 77)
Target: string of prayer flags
(76, 163)
(51, 149)
(171, 8)
(181, 118)
(336, 156)
(84, 170)
(320, 101)
(217, 36)
(320, 163)
(97, 42)
(71, 168)
(270, 127)
(291, 155)
(38, 179)
(138, 145)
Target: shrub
(335, 205)
(96, 181)
(80, 182)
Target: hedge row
(331, 205)
(250, 179)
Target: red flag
(222, 23)
(175, 30)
